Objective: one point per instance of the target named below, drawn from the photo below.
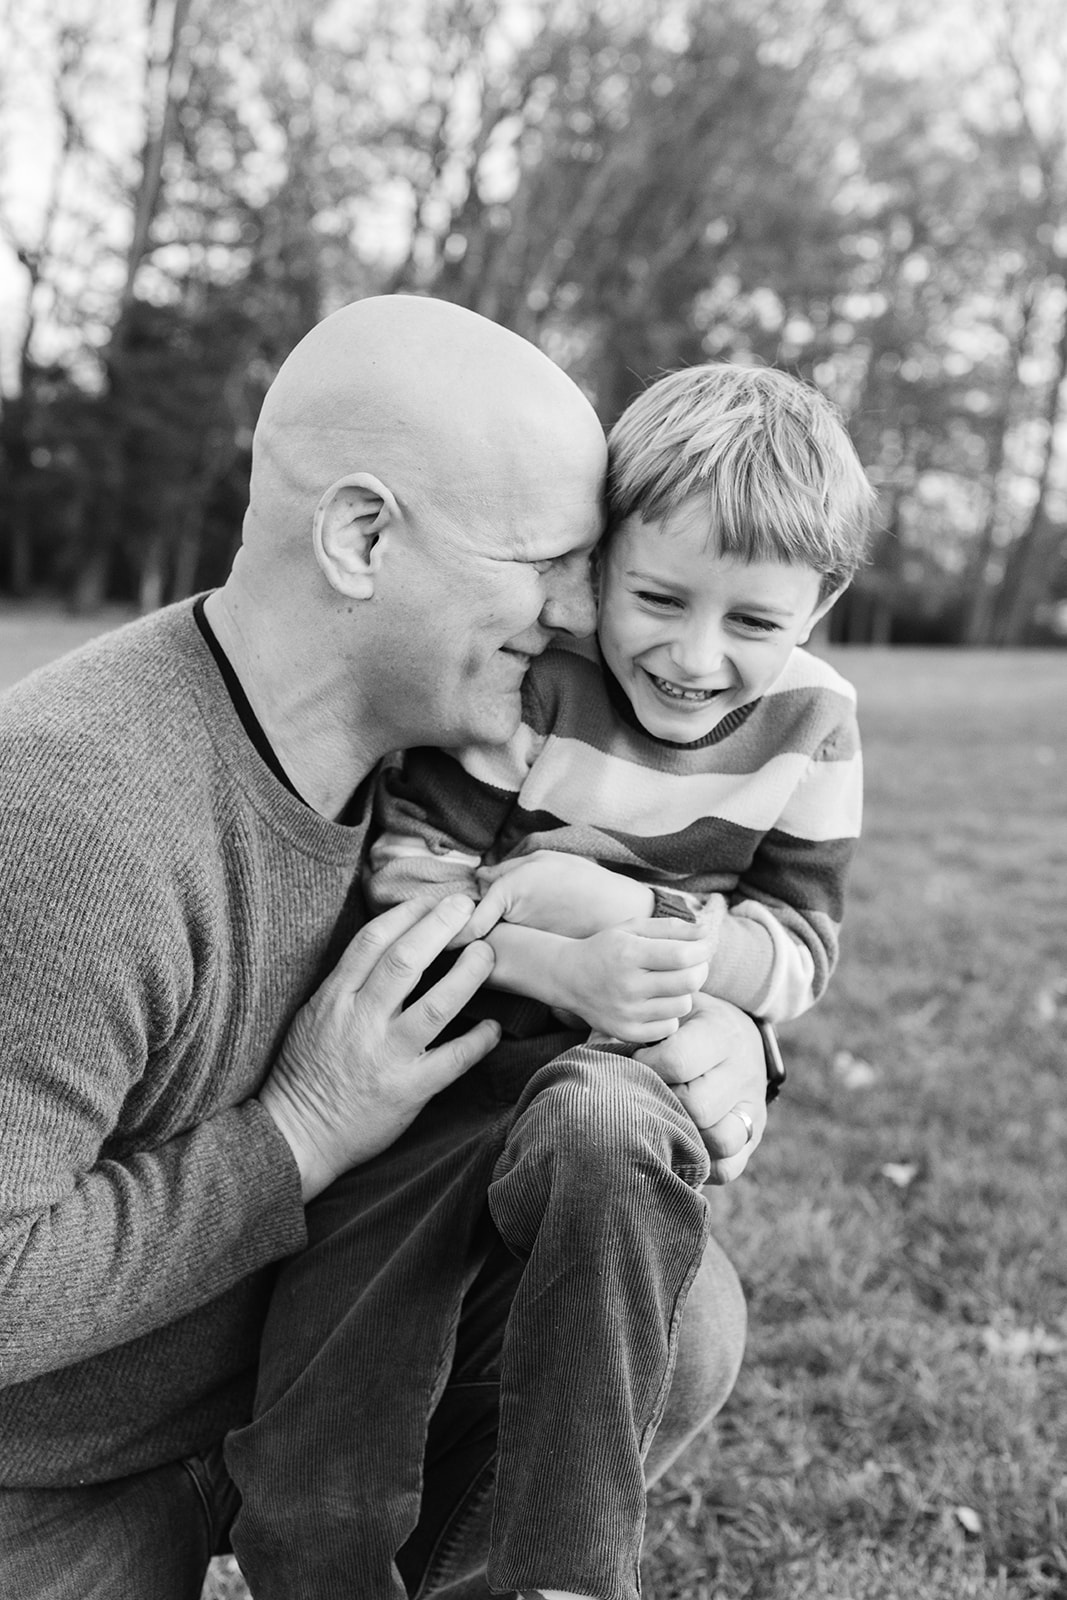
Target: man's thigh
(145, 1537)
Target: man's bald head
(447, 409)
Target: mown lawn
(898, 1429)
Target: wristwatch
(664, 904)
(772, 1055)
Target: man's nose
(570, 606)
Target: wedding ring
(744, 1117)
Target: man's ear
(350, 520)
(820, 611)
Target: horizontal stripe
(797, 716)
(433, 796)
(504, 766)
(580, 784)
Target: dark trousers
(574, 1194)
(151, 1536)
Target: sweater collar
(620, 703)
(355, 807)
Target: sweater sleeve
(437, 817)
(100, 1242)
(776, 935)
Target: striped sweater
(749, 829)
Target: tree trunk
(1026, 581)
(980, 592)
(151, 577)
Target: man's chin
(494, 721)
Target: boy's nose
(697, 654)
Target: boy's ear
(820, 611)
(349, 522)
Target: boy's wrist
(532, 962)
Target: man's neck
(297, 706)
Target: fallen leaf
(853, 1072)
(1021, 1344)
(1051, 1001)
(968, 1519)
(901, 1173)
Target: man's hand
(714, 1063)
(633, 982)
(557, 893)
(355, 1069)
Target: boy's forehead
(683, 550)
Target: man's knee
(710, 1347)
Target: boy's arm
(633, 982)
(774, 938)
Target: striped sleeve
(438, 814)
(776, 935)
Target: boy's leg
(445, 1559)
(598, 1190)
(150, 1534)
(356, 1351)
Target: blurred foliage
(868, 195)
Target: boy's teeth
(682, 694)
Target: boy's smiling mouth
(674, 691)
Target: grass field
(898, 1430)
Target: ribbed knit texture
(165, 906)
(753, 826)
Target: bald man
(198, 1034)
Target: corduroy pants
(575, 1192)
(151, 1536)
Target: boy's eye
(664, 601)
(757, 624)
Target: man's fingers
(362, 954)
(721, 1172)
(487, 913)
(649, 1032)
(673, 1064)
(447, 1062)
(402, 960)
(423, 1021)
(728, 1135)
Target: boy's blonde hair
(769, 454)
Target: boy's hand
(557, 893)
(714, 1063)
(633, 982)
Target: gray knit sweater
(165, 906)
